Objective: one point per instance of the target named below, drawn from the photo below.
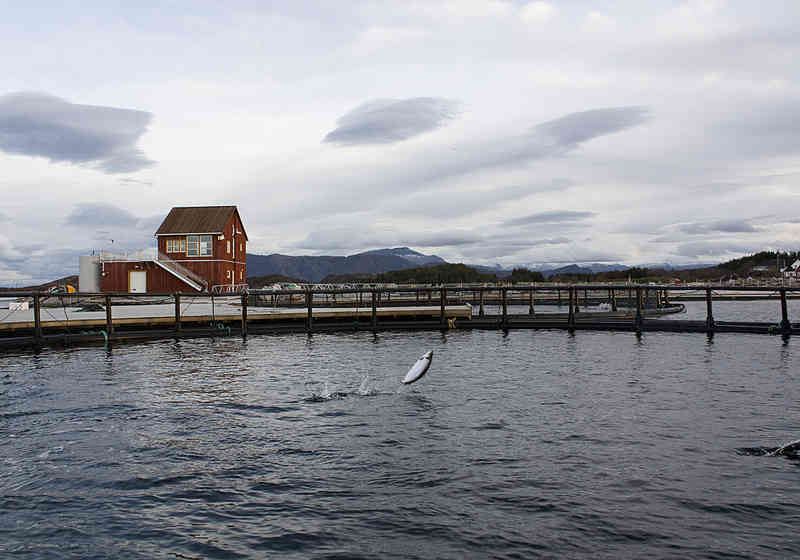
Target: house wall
(215, 268)
(114, 277)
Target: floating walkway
(38, 319)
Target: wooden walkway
(193, 315)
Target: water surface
(532, 444)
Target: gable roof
(197, 219)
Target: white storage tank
(89, 279)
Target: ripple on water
(536, 444)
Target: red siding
(114, 277)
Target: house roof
(197, 219)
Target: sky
(486, 132)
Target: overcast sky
(486, 132)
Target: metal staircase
(184, 274)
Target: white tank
(89, 279)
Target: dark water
(536, 444)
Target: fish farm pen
(35, 319)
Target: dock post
(558, 292)
(177, 312)
(37, 319)
(374, 309)
(530, 300)
(571, 316)
(585, 298)
(614, 300)
(639, 319)
(244, 315)
(310, 314)
(786, 326)
(709, 313)
(576, 296)
(442, 304)
(109, 322)
(503, 297)
(480, 308)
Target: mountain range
(314, 269)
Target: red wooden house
(199, 248)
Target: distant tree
(525, 275)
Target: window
(228, 245)
(240, 276)
(240, 248)
(176, 245)
(198, 245)
(228, 274)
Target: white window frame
(199, 245)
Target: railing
(67, 319)
(230, 289)
(179, 269)
(141, 255)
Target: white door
(138, 281)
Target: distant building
(792, 271)
(199, 248)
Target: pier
(42, 319)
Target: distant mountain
(669, 266)
(314, 269)
(569, 269)
(418, 259)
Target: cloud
(98, 214)
(37, 124)
(129, 181)
(417, 170)
(536, 12)
(713, 249)
(385, 121)
(551, 217)
(345, 239)
(570, 130)
(7, 249)
(450, 203)
(720, 226)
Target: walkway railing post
(503, 296)
(786, 326)
(244, 315)
(530, 300)
(571, 315)
(558, 292)
(109, 322)
(639, 319)
(309, 312)
(442, 304)
(177, 313)
(480, 308)
(37, 319)
(709, 312)
(374, 309)
(576, 296)
(614, 300)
